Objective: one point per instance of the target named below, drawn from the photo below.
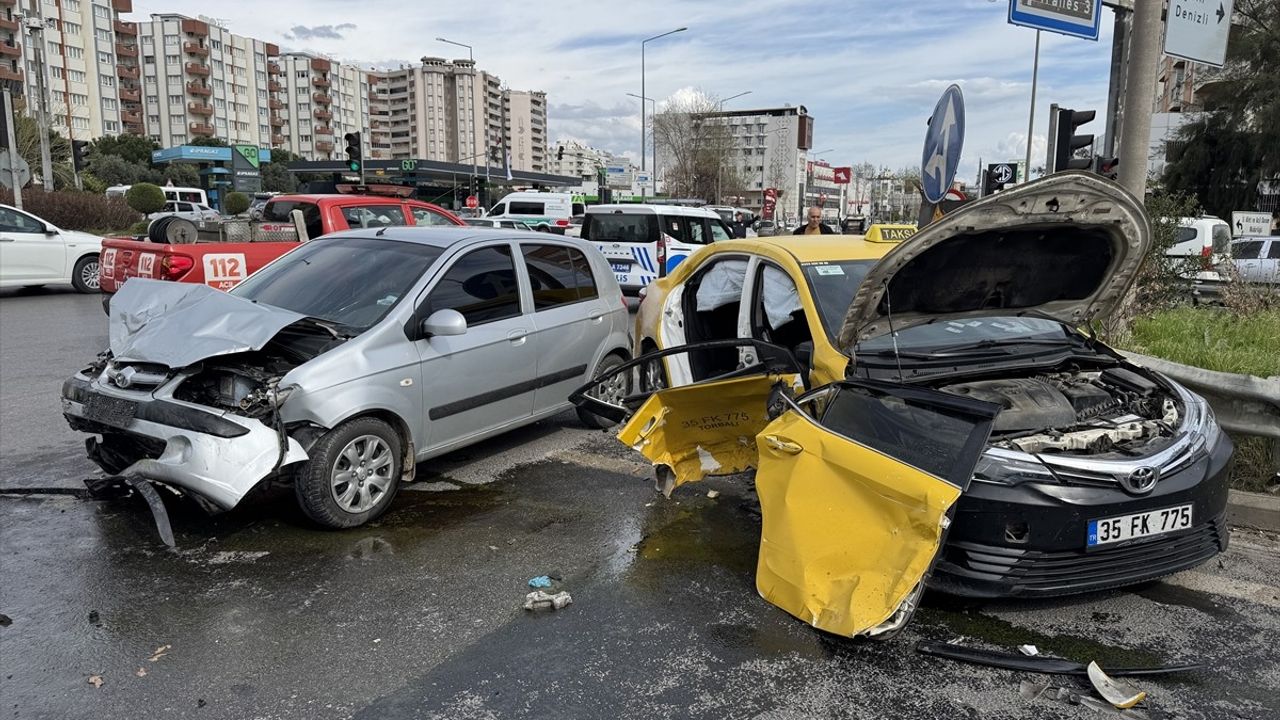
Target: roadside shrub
(236, 203)
(146, 198)
(74, 210)
(140, 227)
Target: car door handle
(5, 239)
(597, 318)
(783, 445)
(518, 337)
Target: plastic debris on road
(1121, 694)
(538, 600)
(542, 581)
(1029, 650)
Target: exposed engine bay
(1083, 411)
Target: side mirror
(50, 230)
(444, 322)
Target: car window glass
(618, 227)
(1274, 252)
(1221, 238)
(672, 226)
(191, 197)
(719, 231)
(351, 281)
(558, 275)
(579, 209)
(184, 207)
(13, 221)
(481, 285)
(499, 209)
(1184, 234)
(427, 216)
(277, 211)
(1248, 250)
(519, 207)
(366, 216)
(696, 231)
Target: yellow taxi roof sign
(884, 232)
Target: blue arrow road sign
(942, 145)
(1079, 18)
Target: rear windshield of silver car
(351, 281)
(620, 227)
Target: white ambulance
(644, 242)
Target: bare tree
(698, 148)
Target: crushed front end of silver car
(201, 415)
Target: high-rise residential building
(450, 111)
(525, 129)
(574, 159)
(202, 80)
(82, 56)
(322, 100)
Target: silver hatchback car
(343, 363)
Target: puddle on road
(1167, 594)
(699, 535)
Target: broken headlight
(1010, 471)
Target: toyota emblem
(1141, 481)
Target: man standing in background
(815, 226)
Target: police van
(644, 242)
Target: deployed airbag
(721, 285)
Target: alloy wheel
(361, 475)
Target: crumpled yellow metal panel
(701, 430)
(847, 531)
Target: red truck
(224, 265)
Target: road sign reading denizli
(1197, 30)
(1078, 18)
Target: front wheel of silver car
(353, 474)
(612, 390)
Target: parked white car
(1257, 258)
(195, 212)
(34, 253)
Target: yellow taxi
(961, 431)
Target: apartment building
(450, 111)
(321, 100)
(525, 129)
(88, 57)
(202, 80)
(574, 159)
(769, 149)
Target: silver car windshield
(351, 281)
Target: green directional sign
(408, 165)
(250, 153)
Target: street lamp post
(472, 59)
(653, 176)
(646, 95)
(720, 160)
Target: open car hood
(177, 324)
(1068, 246)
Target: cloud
(318, 32)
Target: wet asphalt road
(418, 615)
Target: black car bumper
(1029, 540)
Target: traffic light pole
(1031, 116)
(13, 149)
(1139, 92)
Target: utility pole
(1139, 92)
(1119, 51)
(9, 119)
(35, 28)
(1031, 117)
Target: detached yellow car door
(856, 482)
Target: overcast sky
(869, 71)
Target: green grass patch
(1212, 339)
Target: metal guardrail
(1244, 404)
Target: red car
(224, 265)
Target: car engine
(1079, 411)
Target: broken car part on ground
(1096, 472)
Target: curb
(1253, 510)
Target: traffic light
(560, 153)
(353, 151)
(1067, 141)
(79, 154)
(1107, 167)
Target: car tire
(336, 487)
(85, 275)
(652, 374)
(616, 391)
